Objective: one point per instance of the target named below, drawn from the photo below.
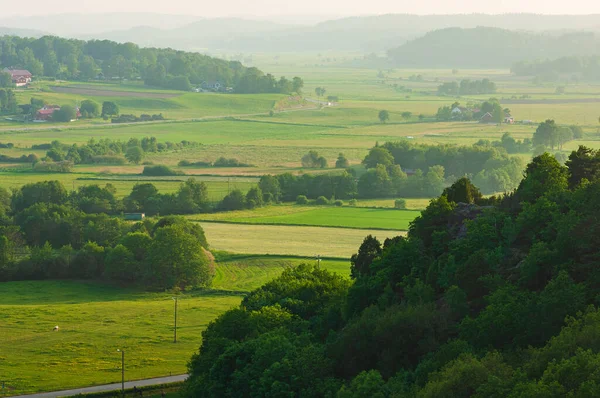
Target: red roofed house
(20, 77)
(45, 114)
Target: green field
(218, 187)
(289, 240)
(347, 217)
(95, 320)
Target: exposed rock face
(463, 212)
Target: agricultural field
(289, 240)
(251, 246)
(346, 217)
(96, 319)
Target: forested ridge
(490, 47)
(485, 297)
(71, 59)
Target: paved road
(106, 387)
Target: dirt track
(109, 93)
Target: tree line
(586, 68)
(71, 59)
(483, 297)
(47, 233)
(466, 87)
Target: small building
(487, 118)
(45, 113)
(509, 120)
(135, 216)
(20, 77)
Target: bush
(64, 166)
(234, 201)
(400, 204)
(322, 200)
(108, 159)
(223, 162)
(187, 163)
(159, 170)
(338, 203)
(353, 202)
(302, 200)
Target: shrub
(353, 202)
(159, 170)
(223, 162)
(302, 200)
(338, 203)
(108, 159)
(400, 204)
(54, 167)
(322, 200)
(235, 200)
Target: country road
(105, 387)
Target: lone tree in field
(342, 162)
(406, 115)
(134, 154)
(320, 91)
(109, 109)
(313, 160)
(384, 116)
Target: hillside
(70, 59)
(491, 297)
(487, 47)
(360, 33)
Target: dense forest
(576, 68)
(485, 297)
(70, 59)
(47, 233)
(484, 47)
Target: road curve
(106, 387)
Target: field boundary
(271, 224)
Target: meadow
(289, 240)
(347, 217)
(96, 319)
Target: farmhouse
(45, 114)
(20, 77)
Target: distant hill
(76, 25)
(361, 33)
(4, 31)
(484, 47)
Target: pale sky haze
(266, 8)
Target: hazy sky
(214, 8)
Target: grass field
(348, 217)
(218, 187)
(95, 320)
(289, 240)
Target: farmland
(347, 217)
(96, 319)
(252, 246)
(289, 240)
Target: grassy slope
(348, 217)
(96, 319)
